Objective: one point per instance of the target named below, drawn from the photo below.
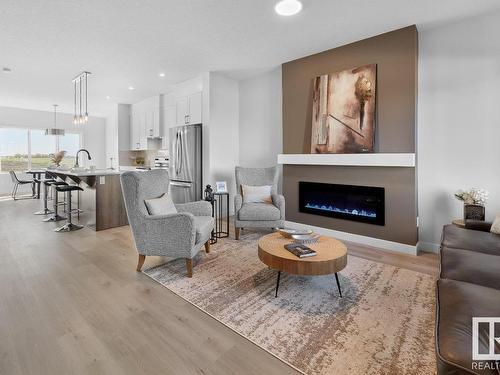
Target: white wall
(223, 132)
(261, 130)
(111, 135)
(93, 133)
(458, 120)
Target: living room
(316, 195)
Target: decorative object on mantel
(55, 130)
(474, 201)
(80, 81)
(343, 112)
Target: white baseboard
(428, 247)
(370, 241)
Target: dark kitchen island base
(101, 200)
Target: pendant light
(81, 114)
(54, 130)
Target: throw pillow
(256, 194)
(161, 206)
(495, 228)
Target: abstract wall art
(343, 111)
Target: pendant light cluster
(80, 86)
(54, 130)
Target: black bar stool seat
(55, 216)
(57, 183)
(45, 182)
(69, 226)
(65, 188)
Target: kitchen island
(101, 200)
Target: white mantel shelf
(359, 160)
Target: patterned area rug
(384, 324)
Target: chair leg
(140, 262)
(13, 194)
(207, 246)
(189, 267)
(237, 233)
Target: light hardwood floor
(73, 303)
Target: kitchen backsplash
(139, 158)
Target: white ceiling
(128, 42)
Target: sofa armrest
(483, 226)
(166, 235)
(238, 203)
(279, 201)
(198, 208)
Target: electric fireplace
(357, 203)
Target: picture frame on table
(221, 187)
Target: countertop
(87, 173)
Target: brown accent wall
(395, 54)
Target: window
(13, 150)
(22, 149)
(71, 144)
(42, 146)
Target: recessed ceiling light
(161, 75)
(108, 97)
(288, 7)
(131, 87)
(7, 70)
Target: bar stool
(55, 216)
(45, 182)
(69, 226)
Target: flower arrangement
(473, 196)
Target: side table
(221, 204)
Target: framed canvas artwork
(343, 111)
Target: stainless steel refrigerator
(186, 163)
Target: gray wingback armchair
(258, 215)
(178, 235)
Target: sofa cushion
(457, 303)
(161, 206)
(475, 240)
(203, 226)
(259, 212)
(495, 227)
(470, 266)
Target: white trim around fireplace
(364, 240)
(362, 160)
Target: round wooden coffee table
(331, 257)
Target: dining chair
(16, 181)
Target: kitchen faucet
(78, 152)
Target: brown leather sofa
(469, 286)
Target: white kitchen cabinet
(145, 123)
(182, 111)
(134, 129)
(195, 108)
(189, 109)
(152, 108)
